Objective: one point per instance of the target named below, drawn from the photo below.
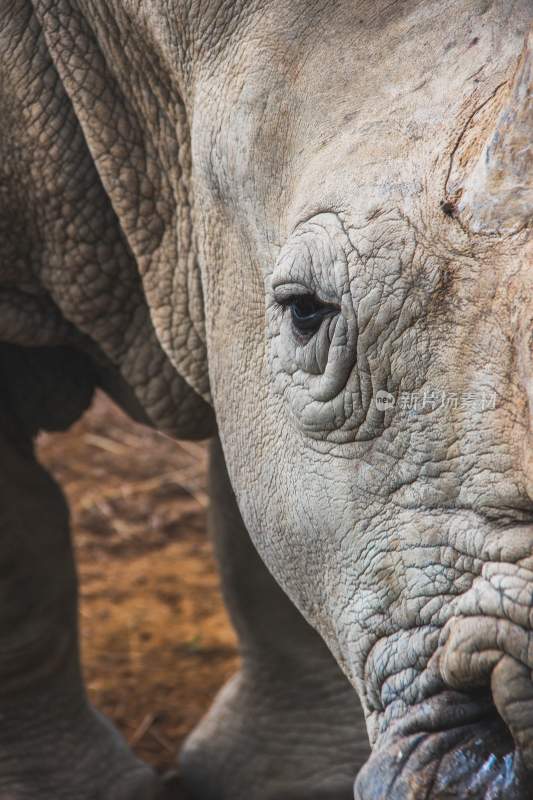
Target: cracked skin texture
(168, 171)
(85, 265)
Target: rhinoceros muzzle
(472, 736)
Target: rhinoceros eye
(307, 313)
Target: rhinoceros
(303, 230)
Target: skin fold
(306, 227)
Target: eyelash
(307, 324)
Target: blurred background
(156, 642)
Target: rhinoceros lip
(451, 747)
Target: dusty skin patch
(156, 641)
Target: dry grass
(156, 642)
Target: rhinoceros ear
(496, 195)
(125, 99)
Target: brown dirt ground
(156, 642)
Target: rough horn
(498, 194)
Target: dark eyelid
(291, 294)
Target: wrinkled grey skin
(174, 175)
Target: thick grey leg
(288, 726)
(53, 746)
